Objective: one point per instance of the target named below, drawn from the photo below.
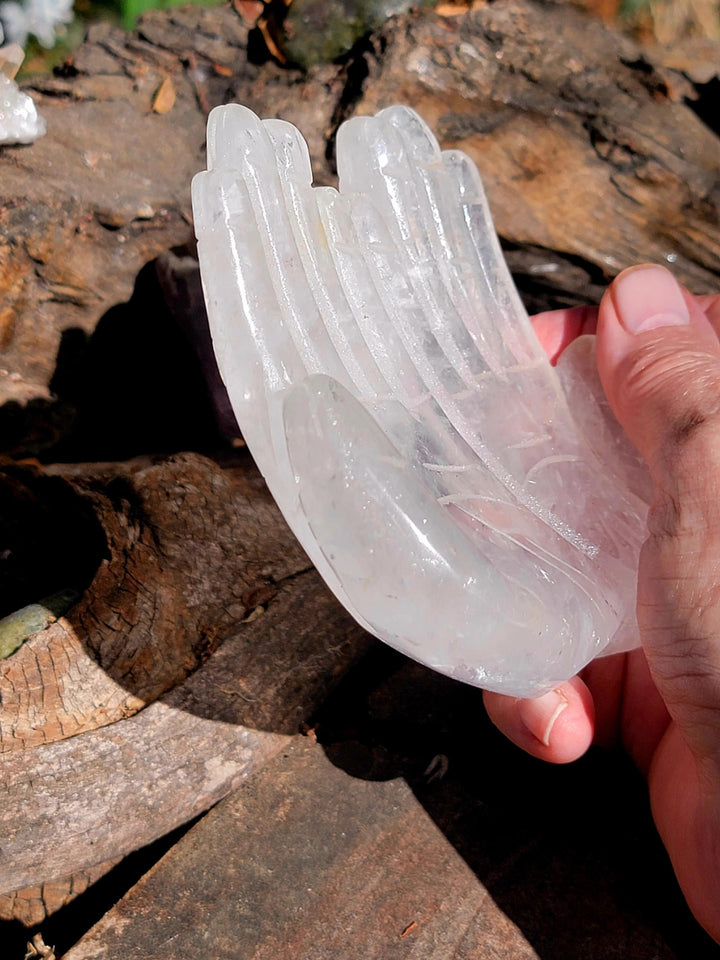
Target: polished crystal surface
(468, 503)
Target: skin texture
(658, 351)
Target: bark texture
(406, 827)
(205, 601)
(591, 156)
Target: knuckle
(674, 396)
(685, 512)
(689, 675)
(679, 619)
(665, 517)
(678, 387)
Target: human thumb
(659, 361)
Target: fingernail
(538, 716)
(649, 297)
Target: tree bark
(207, 601)
(591, 157)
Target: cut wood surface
(190, 551)
(31, 905)
(198, 555)
(101, 794)
(411, 829)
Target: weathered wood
(411, 829)
(197, 554)
(580, 145)
(76, 803)
(191, 551)
(32, 905)
(586, 156)
(308, 863)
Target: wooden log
(410, 829)
(101, 794)
(196, 554)
(583, 146)
(591, 157)
(190, 551)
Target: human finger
(710, 305)
(556, 329)
(659, 359)
(557, 727)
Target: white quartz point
(19, 119)
(391, 389)
(43, 19)
(11, 58)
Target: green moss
(131, 9)
(319, 31)
(19, 626)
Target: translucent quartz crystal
(41, 18)
(19, 119)
(468, 504)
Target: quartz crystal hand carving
(468, 504)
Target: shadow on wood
(411, 828)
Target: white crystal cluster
(469, 504)
(19, 119)
(41, 18)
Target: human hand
(658, 353)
